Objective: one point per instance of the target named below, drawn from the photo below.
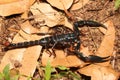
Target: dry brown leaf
(26, 26)
(14, 7)
(29, 61)
(43, 12)
(78, 4)
(98, 72)
(12, 56)
(68, 24)
(7, 1)
(61, 4)
(31, 2)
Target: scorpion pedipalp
(97, 59)
(91, 58)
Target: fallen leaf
(97, 72)
(26, 26)
(43, 12)
(7, 1)
(14, 7)
(13, 55)
(68, 24)
(29, 61)
(61, 4)
(78, 4)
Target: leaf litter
(27, 57)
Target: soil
(98, 10)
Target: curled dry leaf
(14, 7)
(77, 4)
(61, 4)
(97, 72)
(43, 12)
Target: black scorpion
(65, 40)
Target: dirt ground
(98, 10)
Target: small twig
(70, 16)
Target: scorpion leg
(91, 58)
(51, 52)
(90, 23)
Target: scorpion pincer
(64, 40)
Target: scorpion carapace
(66, 39)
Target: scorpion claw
(91, 58)
(96, 59)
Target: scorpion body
(49, 41)
(65, 40)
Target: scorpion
(64, 40)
